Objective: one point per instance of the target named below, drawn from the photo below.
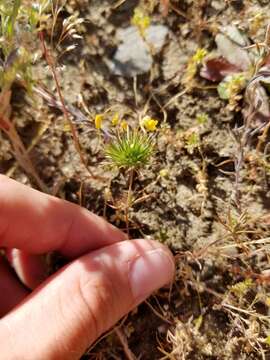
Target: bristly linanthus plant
(131, 149)
(127, 148)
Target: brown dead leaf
(217, 69)
(257, 98)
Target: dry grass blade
(20, 151)
(64, 109)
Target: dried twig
(20, 152)
(123, 340)
(51, 64)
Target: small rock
(133, 55)
(218, 5)
(234, 34)
(232, 52)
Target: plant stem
(64, 109)
(123, 340)
(20, 151)
(129, 194)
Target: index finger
(38, 223)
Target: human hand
(107, 275)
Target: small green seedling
(202, 118)
(231, 87)
(192, 141)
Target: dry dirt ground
(219, 304)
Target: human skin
(105, 278)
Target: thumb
(66, 314)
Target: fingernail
(150, 272)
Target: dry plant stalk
(20, 152)
(123, 340)
(51, 64)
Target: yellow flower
(98, 120)
(164, 172)
(124, 125)
(192, 66)
(141, 20)
(267, 340)
(198, 57)
(115, 119)
(66, 127)
(149, 124)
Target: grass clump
(130, 150)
